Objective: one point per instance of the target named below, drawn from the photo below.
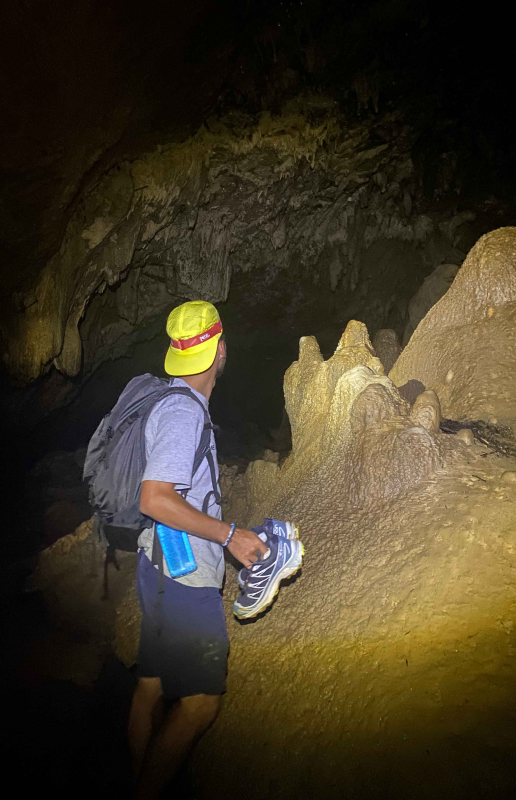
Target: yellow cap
(194, 329)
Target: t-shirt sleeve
(176, 434)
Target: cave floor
(71, 739)
(424, 714)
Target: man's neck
(202, 383)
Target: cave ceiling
(162, 152)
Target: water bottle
(177, 551)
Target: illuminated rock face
(366, 665)
(402, 611)
(392, 649)
(433, 288)
(353, 436)
(465, 347)
(284, 196)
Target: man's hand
(246, 547)
(160, 501)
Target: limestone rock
(509, 476)
(308, 409)
(427, 411)
(227, 477)
(127, 627)
(179, 222)
(387, 348)
(466, 436)
(404, 600)
(70, 573)
(433, 288)
(348, 419)
(465, 347)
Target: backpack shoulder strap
(215, 490)
(203, 449)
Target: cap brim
(192, 361)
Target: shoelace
(262, 577)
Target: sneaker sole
(292, 534)
(292, 566)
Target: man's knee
(201, 709)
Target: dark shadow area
(71, 740)
(499, 438)
(411, 390)
(68, 739)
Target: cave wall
(89, 243)
(285, 194)
(337, 166)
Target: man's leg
(182, 727)
(145, 716)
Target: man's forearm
(161, 502)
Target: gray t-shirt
(172, 435)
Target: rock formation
(300, 194)
(434, 287)
(378, 652)
(387, 348)
(394, 643)
(71, 575)
(465, 347)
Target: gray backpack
(115, 463)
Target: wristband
(230, 535)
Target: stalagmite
(465, 347)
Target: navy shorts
(185, 643)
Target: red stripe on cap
(185, 344)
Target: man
(184, 643)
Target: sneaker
(288, 530)
(262, 584)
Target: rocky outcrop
(339, 411)
(465, 347)
(387, 347)
(82, 606)
(366, 658)
(433, 288)
(299, 194)
(351, 433)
